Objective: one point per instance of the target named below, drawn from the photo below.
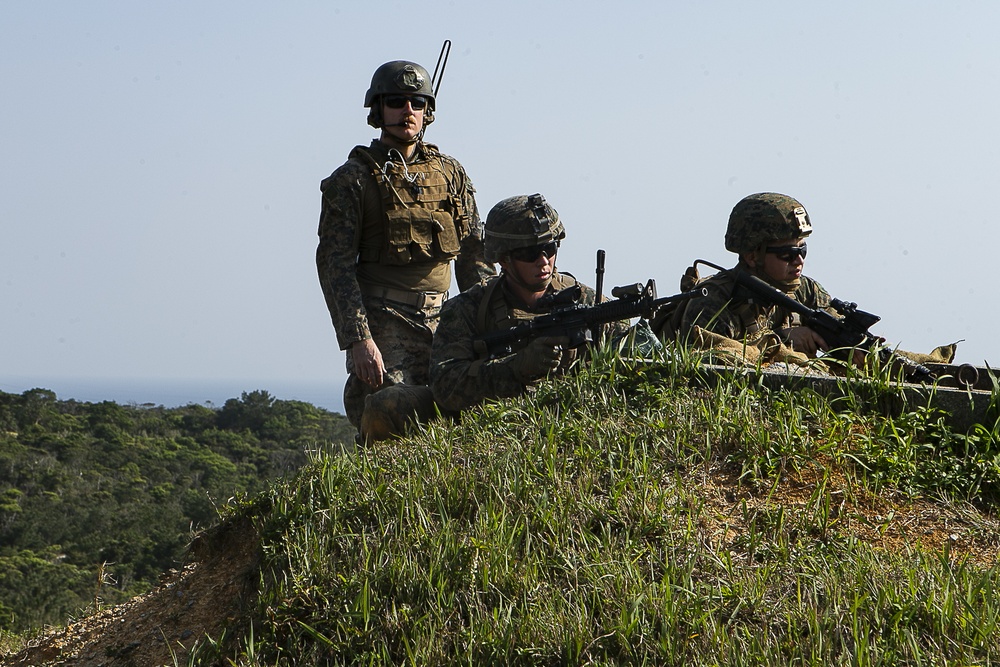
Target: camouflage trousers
(404, 339)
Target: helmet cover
(763, 218)
(520, 222)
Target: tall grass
(588, 523)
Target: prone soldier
(736, 317)
(523, 235)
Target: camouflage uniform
(377, 286)
(730, 310)
(730, 319)
(461, 374)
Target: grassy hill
(636, 515)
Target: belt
(418, 300)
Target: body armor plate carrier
(424, 219)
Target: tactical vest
(424, 218)
(758, 318)
(494, 314)
(754, 319)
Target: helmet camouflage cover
(763, 218)
(399, 77)
(520, 222)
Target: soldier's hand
(860, 356)
(368, 364)
(539, 358)
(805, 340)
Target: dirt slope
(204, 598)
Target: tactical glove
(539, 358)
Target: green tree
(84, 484)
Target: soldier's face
(534, 275)
(402, 123)
(780, 269)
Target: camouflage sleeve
(814, 295)
(709, 312)
(336, 254)
(459, 377)
(471, 266)
(716, 314)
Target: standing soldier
(393, 218)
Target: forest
(97, 500)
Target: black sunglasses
(532, 253)
(787, 253)
(418, 102)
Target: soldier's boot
(392, 411)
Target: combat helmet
(520, 222)
(765, 217)
(398, 77)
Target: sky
(160, 164)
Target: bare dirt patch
(206, 597)
(890, 520)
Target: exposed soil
(889, 521)
(211, 593)
(206, 597)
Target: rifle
(599, 288)
(575, 320)
(600, 276)
(841, 334)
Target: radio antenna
(441, 64)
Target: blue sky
(159, 182)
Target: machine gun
(841, 334)
(575, 320)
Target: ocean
(173, 393)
